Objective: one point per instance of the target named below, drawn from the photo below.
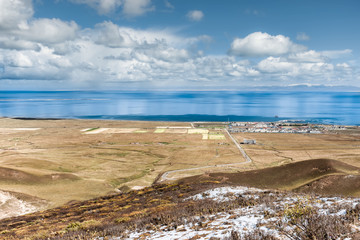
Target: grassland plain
(274, 149)
(65, 160)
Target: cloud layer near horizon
(130, 8)
(109, 55)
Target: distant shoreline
(153, 119)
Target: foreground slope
(217, 205)
(200, 210)
(304, 176)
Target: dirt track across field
(164, 176)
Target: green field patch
(160, 130)
(89, 129)
(140, 131)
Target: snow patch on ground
(248, 219)
(11, 206)
(225, 193)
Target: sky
(178, 44)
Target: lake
(318, 107)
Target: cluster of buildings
(278, 127)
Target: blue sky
(178, 44)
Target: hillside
(304, 176)
(208, 206)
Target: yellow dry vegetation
(273, 149)
(216, 136)
(60, 162)
(176, 130)
(160, 130)
(198, 131)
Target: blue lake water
(322, 107)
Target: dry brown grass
(60, 163)
(166, 207)
(321, 176)
(274, 149)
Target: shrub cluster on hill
(207, 210)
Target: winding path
(242, 151)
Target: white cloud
(12, 42)
(343, 66)
(260, 44)
(112, 35)
(278, 66)
(302, 37)
(30, 65)
(48, 30)
(337, 53)
(110, 55)
(18, 59)
(108, 34)
(275, 65)
(14, 13)
(130, 8)
(134, 8)
(102, 6)
(195, 15)
(308, 56)
(18, 30)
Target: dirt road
(242, 151)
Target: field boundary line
(164, 175)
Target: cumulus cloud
(18, 59)
(291, 70)
(108, 34)
(48, 30)
(307, 56)
(134, 8)
(195, 15)
(102, 6)
(13, 42)
(302, 37)
(130, 8)
(38, 31)
(19, 30)
(112, 55)
(30, 65)
(114, 36)
(14, 13)
(260, 44)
